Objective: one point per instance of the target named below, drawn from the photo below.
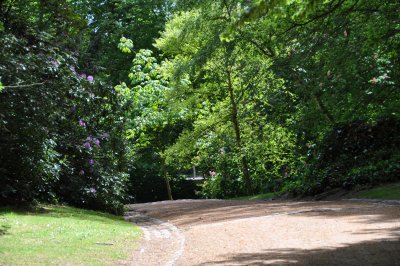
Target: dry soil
(222, 232)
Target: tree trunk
(235, 122)
(169, 191)
(323, 108)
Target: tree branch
(324, 14)
(24, 86)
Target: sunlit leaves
(125, 45)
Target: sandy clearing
(219, 232)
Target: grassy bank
(387, 192)
(263, 196)
(55, 235)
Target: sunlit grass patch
(55, 235)
(263, 196)
(388, 192)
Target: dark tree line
(259, 96)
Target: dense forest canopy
(104, 102)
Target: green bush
(358, 153)
(60, 139)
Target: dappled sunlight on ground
(301, 233)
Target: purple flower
(90, 78)
(83, 75)
(89, 138)
(82, 123)
(212, 173)
(92, 162)
(87, 145)
(97, 141)
(72, 68)
(92, 190)
(55, 63)
(81, 172)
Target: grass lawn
(57, 235)
(388, 192)
(269, 195)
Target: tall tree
(228, 76)
(151, 126)
(108, 21)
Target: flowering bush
(53, 146)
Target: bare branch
(24, 86)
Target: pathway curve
(220, 232)
(162, 243)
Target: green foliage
(212, 188)
(277, 9)
(28, 150)
(387, 192)
(125, 45)
(108, 20)
(298, 69)
(59, 128)
(225, 80)
(252, 93)
(355, 154)
(151, 126)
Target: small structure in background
(194, 176)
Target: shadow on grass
(379, 252)
(3, 229)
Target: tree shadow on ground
(383, 252)
(184, 213)
(379, 221)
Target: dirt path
(218, 232)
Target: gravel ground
(222, 232)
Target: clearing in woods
(223, 232)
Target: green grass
(263, 196)
(56, 235)
(388, 192)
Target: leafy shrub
(353, 154)
(211, 188)
(59, 137)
